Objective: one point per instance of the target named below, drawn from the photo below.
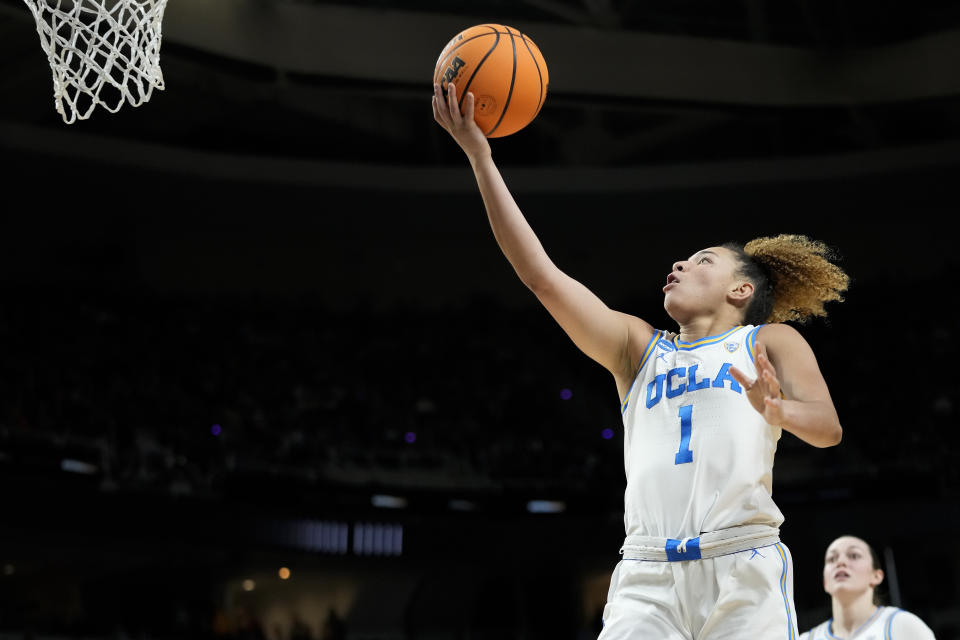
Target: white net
(101, 52)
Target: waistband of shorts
(706, 545)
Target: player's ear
(877, 578)
(740, 292)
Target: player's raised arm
(613, 339)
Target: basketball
(503, 69)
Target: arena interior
(266, 374)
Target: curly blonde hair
(793, 277)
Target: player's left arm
(789, 389)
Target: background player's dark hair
(793, 278)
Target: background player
(851, 575)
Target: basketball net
(101, 52)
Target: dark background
(290, 249)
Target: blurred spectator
(300, 629)
(333, 627)
(177, 396)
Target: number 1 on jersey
(686, 426)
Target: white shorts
(747, 594)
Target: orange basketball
(503, 69)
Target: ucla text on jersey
(670, 384)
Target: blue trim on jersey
(692, 550)
(702, 342)
(888, 628)
(643, 360)
(829, 626)
(783, 590)
(751, 339)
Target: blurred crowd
(181, 394)
(177, 394)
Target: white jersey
(698, 456)
(887, 623)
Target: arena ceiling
(632, 84)
(821, 23)
(854, 105)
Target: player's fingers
(739, 376)
(773, 385)
(468, 105)
(436, 112)
(771, 388)
(764, 365)
(774, 405)
(761, 349)
(761, 354)
(763, 383)
(763, 358)
(439, 111)
(452, 104)
(440, 107)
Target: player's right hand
(763, 392)
(462, 127)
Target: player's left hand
(764, 392)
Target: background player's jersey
(698, 456)
(888, 623)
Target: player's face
(848, 567)
(700, 283)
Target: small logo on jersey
(666, 346)
(755, 554)
(731, 346)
